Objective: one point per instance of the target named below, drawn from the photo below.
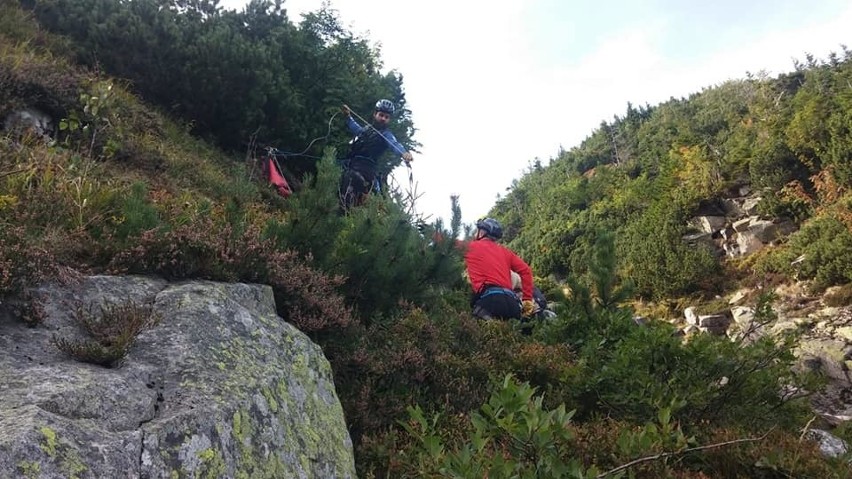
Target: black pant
(353, 189)
(497, 306)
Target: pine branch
(692, 449)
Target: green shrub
(552, 290)
(824, 244)
(774, 165)
(512, 435)
(629, 372)
(779, 205)
(137, 214)
(441, 358)
(376, 247)
(658, 261)
(717, 380)
(260, 74)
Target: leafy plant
(512, 435)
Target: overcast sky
(494, 85)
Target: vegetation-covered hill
(125, 187)
(642, 176)
(233, 76)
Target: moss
(250, 464)
(315, 443)
(715, 306)
(212, 464)
(242, 428)
(282, 389)
(30, 469)
(270, 399)
(70, 461)
(72, 465)
(49, 445)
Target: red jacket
(489, 263)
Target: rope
(327, 134)
(407, 163)
(369, 124)
(411, 193)
(275, 153)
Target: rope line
(275, 153)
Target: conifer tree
(376, 246)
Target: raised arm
(353, 125)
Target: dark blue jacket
(368, 147)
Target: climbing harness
(497, 290)
(411, 194)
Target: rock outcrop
(732, 227)
(221, 387)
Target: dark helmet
(385, 106)
(491, 227)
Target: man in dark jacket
(489, 265)
(361, 168)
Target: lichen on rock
(221, 387)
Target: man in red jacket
(488, 266)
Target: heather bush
(113, 331)
(29, 78)
(840, 297)
(30, 309)
(23, 262)
(439, 358)
(780, 454)
(717, 452)
(304, 295)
